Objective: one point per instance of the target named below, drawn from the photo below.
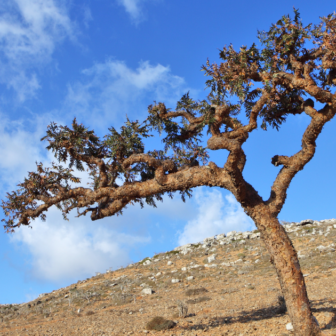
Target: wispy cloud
(135, 9)
(132, 7)
(110, 90)
(29, 32)
(215, 215)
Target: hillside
(223, 286)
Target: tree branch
(292, 165)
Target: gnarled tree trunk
(286, 262)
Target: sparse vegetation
(159, 323)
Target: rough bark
(286, 262)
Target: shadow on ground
(263, 314)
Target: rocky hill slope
(222, 286)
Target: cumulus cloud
(62, 250)
(215, 215)
(110, 90)
(29, 32)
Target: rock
(184, 269)
(210, 239)
(255, 235)
(221, 236)
(258, 260)
(169, 263)
(158, 274)
(211, 265)
(305, 222)
(231, 233)
(227, 264)
(113, 284)
(147, 291)
(246, 235)
(212, 258)
(289, 326)
(78, 311)
(183, 247)
(190, 278)
(147, 262)
(175, 280)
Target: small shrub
(198, 300)
(195, 291)
(160, 323)
(172, 253)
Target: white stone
(258, 260)
(321, 248)
(169, 263)
(221, 236)
(195, 266)
(158, 274)
(246, 235)
(255, 235)
(211, 265)
(231, 233)
(210, 239)
(147, 291)
(175, 280)
(147, 262)
(227, 264)
(190, 278)
(212, 258)
(289, 326)
(183, 247)
(184, 269)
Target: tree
(268, 84)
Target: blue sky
(100, 60)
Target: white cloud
(132, 7)
(215, 216)
(20, 146)
(62, 250)
(111, 90)
(29, 32)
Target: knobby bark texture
(123, 174)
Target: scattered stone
(175, 280)
(169, 263)
(212, 258)
(289, 326)
(190, 278)
(147, 291)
